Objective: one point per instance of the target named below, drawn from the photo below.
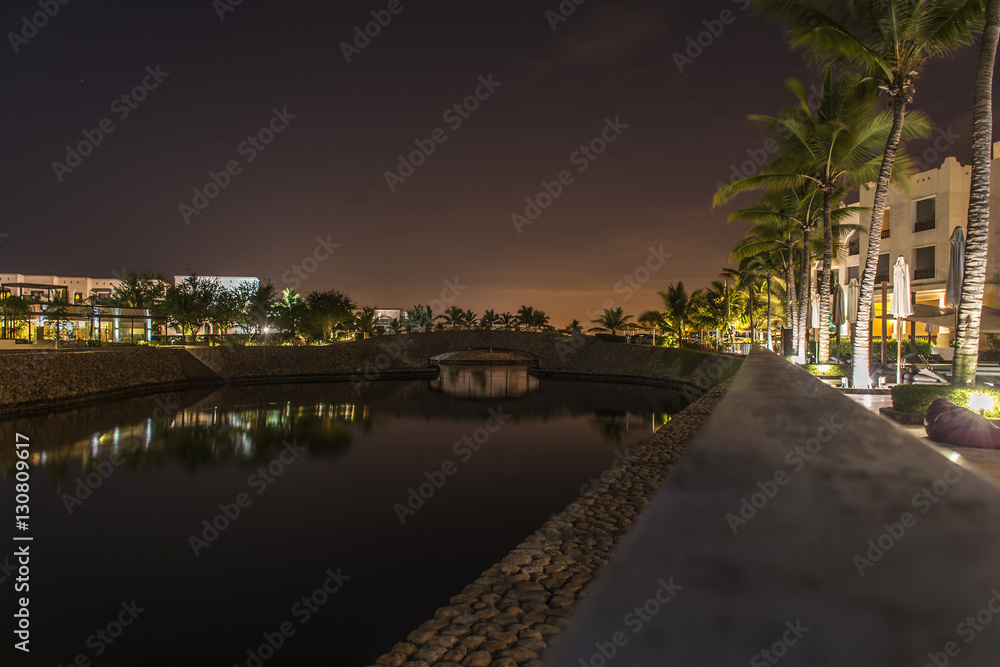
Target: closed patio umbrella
(956, 269)
(900, 306)
(853, 290)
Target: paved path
(986, 462)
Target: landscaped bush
(838, 370)
(916, 398)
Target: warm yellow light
(824, 368)
(981, 402)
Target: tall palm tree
(719, 308)
(971, 304)
(508, 320)
(15, 311)
(469, 319)
(888, 41)
(835, 147)
(574, 327)
(612, 320)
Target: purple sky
(323, 175)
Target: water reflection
(501, 381)
(249, 424)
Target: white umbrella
(956, 269)
(814, 312)
(838, 314)
(900, 306)
(853, 290)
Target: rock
(478, 659)
(520, 654)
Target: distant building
(384, 316)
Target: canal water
(293, 524)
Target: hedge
(828, 370)
(916, 398)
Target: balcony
(853, 250)
(881, 278)
(885, 233)
(923, 226)
(923, 274)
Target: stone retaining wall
(33, 381)
(512, 613)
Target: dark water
(323, 474)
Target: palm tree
(835, 148)
(890, 42)
(508, 320)
(469, 319)
(290, 312)
(488, 320)
(971, 304)
(539, 320)
(57, 310)
(255, 300)
(612, 320)
(574, 327)
(453, 317)
(364, 321)
(135, 290)
(678, 307)
(525, 317)
(187, 306)
(720, 308)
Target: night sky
(221, 81)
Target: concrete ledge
(801, 524)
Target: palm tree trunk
(823, 348)
(804, 289)
(866, 294)
(970, 306)
(769, 346)
(751, 316)
(791, 316)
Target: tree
(539, 320)
(290, 313)
(525, 317)
(611, 321)
(186, 306)
(327, 310)
(720, 308)
(970, 306)
(453, 317)
(574, 327)
(888, 41)
(15, 312)
(57, 310)
(135, 290)
(224, 312)
(678, 307)
(488, 320)
(255, 300)
(365, 322)
(508, 320)
(469, 319)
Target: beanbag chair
(950, 424)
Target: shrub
(829, 370)
(916, 398)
